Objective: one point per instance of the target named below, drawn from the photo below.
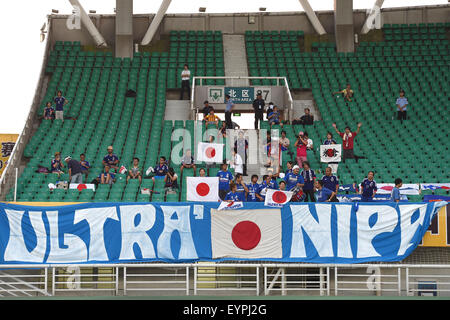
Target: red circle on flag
(330, 152)
(246, 235)
(202, 189)
(210, 152)
(81, 186)
(279, 197)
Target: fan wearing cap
(75, 173)
(258, 107)
(111, 160)
(294, 179)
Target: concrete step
(177, 110)
(235, 59)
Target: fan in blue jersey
(330, 181)
(111, 160)
(294, 179)
(253, 190)
(233, 195)
(309, 176)
(161, 169)
(395, 193)
(368, 188)
(268, 183)
(324, 194)
(225, 177)
(241, 188)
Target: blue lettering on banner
(181, 232)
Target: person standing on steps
(258, 107)
(185, 78)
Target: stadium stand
(376, 72)
(99, 114)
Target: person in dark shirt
(57, 165)
(368, 188)
(307, 119)
(60, 102)
(330, 181)
(225, 177)
(49, 112)
(241, 188)
(253, 190)
(85, 166)
(206, 109)
(241, 146)
(269, 110)
(75, 173)
(258, 107)
(309, 176)
(161, 169)
(111, 160)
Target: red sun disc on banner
(246, 235)
(279, 197)
(81, 186)
(210, 152)
(202, 189)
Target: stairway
(235, 60)
(177, 110)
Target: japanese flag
(81, 186)
(202, 189)
(277, 198)
(210, 152)
(246, 233)
(330, 153)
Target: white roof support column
(372, 17)
(88, 24)
(155, 22)
(312, 17)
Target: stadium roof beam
(343, 25)
(155, 22)
(372, 16)
(87, 22)
(124, 29)
(312, 17)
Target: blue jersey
(253, 190)
(224, 179)
(110, 159)
(308, 176)
(112, 175)
(85, 163)
(59, 102)
(48, 111)
(292, 179)
(241, 192)
(234, 196)
(330, 182)
(275, 118)
(395, 194)
(58, 165)
(331, 141)
(368, 188)
(273, 184)
(161, 170)
(324, 194)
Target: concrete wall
(238, 23)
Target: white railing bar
(365, 275)
(362, 289)
(146, 282)
(299, 282)
(225, 289)
(155, 289)
(437, 290)
(187, 281)
(328, 281)
(226, 282)
(257, 281)
(296, 289)
(125, 281)
(230, 274)
(363, 282)
(84, 289)
(440, 283)
(156, 275)
(87, 282)
(195, 280)
(8, 291)
(430, 276)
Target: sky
(22, 52)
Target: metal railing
(201, 78)
(241, 279)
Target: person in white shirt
(236, 162)
(185, 77)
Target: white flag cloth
(210, 152)
(205, 189)
(122, 169)
(407, 188)
(434, 186)
(330, 152)
(277, 198)
(246, 233)
(81, 186)
(225, 205)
